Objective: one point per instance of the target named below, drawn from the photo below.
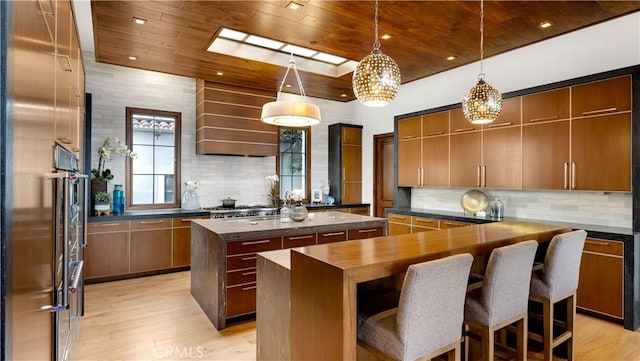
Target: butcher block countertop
(232, 229)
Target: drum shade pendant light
(291, 113)
(377, 77)
(483, 102)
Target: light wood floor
(155, 318)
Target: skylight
(254, 47)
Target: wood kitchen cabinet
(601, 153)
(491, 157)
(423, 148)
(398, 224)
(345, 163)
(424, 224)
(107, 251)
(601, 282)
(545, 140)
(181, 241)
(150, 244)
(601, 97)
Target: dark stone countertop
(595, 231)
(232, 229)
(146, 214)
(334, 206)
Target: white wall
(114, 88)
(611, 45)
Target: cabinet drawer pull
(367, 230)
(248, 288)
(333, 234)
(68, 59)
(424, 221)
(566, 174)
(543, 119)
(398, 217)
(301, 237)
(500, 125)
(408, 137)
(450, 224)
(106, 224)
(151, 222)
(464, 129)
(597, 243)
(186, 220)
(436, 133)
(600, 111)
(256, 242)
(573, 175)
(248, 273)
(249, 258)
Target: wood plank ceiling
(423, 34)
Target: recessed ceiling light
(545, 24)
(287, 85)
(385, 37)
(131, 57)
(139, 21)
(219, 73)
(232, 34)
(343, 95)
(451, 57)
(294, 6)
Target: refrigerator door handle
(77, 275)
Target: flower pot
(190, 200)
(97, 186)
(102, 209)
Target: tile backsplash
(596, 208)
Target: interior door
(383, 186)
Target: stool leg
(488, 341)
(521, 342)
(571, 314)
(547, 329)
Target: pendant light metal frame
(376, 79)
(483, 103)
(290, 113)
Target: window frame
(177, 159)
(307, 180)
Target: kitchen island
(223, 254)
(324, 279)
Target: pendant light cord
(376, 42)
(481, 75)
(292, 63)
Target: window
(294, 161)
(153, 176)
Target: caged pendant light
(291, 113)
(483, 103)
(377, 77)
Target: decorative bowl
(474, 201)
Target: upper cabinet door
(601, 97)
(465, 163)
(510, 114)
(545, 106)
(601, 153)
(460, 124)
(435, 124)
(410, 128)
(545, 155)
(502, 158)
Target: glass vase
(190, 200)
(298, 213)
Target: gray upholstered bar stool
(429, 317)
(503, 298)
(558, 281)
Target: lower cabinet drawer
(331, 237)
(254, 245)
(241, 276)
(240, 261)
(398, 228)
(299, 240)
(241, 299)
(452, 224)
(365, 233)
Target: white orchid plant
(110, 146)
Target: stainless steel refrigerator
(38, 275)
